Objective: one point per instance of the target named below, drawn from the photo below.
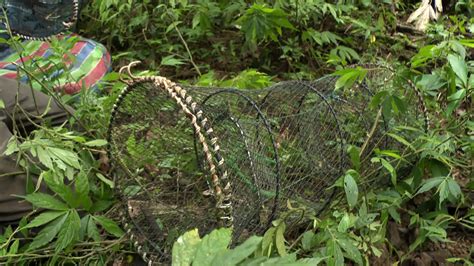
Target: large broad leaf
(351, 189)
(350, 248)
(213, 243)
(240, 253)
(459, 67)
(185, 247)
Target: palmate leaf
(260, 22)
(56, 184)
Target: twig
(372, 132)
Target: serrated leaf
(66, 156)
(44, 218)
(82, 189)
(110, 226)
(14, 247)
(171, 61)
(46, 201)
(48, 233)
(184, 248)
(44, 157)
(69, 232)
(92, 230)
(57, 185)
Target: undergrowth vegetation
(426, 207)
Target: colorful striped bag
(71, 63)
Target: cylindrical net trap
(164, 189)
(208, 157)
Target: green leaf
(69, 232)
(185, 247)
(66, 156)
(351, 250)
(345, 223)
(240, 253)
(46, 201)
(355, 157)
(82, 190)
(213, 243)
(307, 240)
(351, 189)
(459, 67)
(311, 261)
(107, 181)
(44, 157)
(402, 141)
(96, 143)
(2, 104)
(44, 218)
(429, 184)
(393, 174)
(263, 23)
(454, 188)
(48, 233)
(171, 61)
(280, 239)
(56, 184)
(334, 253)
(455, 99)
(110, 226)
(14, 247)
(378, 99)
(268, 241)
